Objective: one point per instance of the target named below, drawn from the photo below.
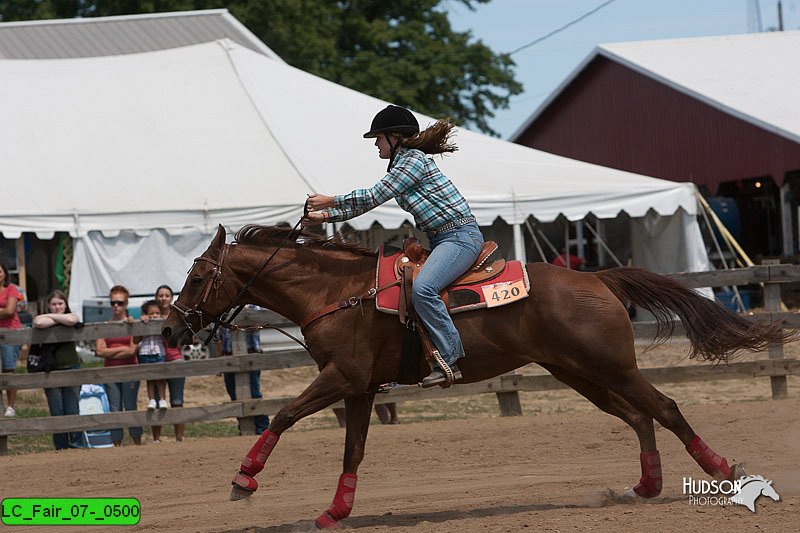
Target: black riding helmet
(393, 119)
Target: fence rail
(506, 387)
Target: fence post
(772, 303)
(509, 403)
(247, 425)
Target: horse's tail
(714, 332)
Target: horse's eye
(196, 280)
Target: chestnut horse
(574, 324)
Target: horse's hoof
(630, 496)
(238, 493)
(326, 521)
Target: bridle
(215, 281)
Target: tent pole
(786, 220)
(519, 244)
(602, 246)
(22, 271)
(536, 241)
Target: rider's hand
(317, 202)
(314, 218)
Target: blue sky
(505, 25)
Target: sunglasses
(118, 302)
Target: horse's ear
(219, 238)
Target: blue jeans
(122, 397)
(452, 253)
(176, 386)
(64, 401)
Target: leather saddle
(410, 261)
(414, 256)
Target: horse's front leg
(329, 386)
(357, 412)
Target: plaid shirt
(419, 188)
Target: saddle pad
(510, 285)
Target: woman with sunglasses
(119, 351)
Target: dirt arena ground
(548, 472)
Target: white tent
(141, 156)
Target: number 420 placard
(504, 292)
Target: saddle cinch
(486, 283)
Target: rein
(225, 320)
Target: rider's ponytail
(433, 140)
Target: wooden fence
(506, 387)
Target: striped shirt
(419, 188)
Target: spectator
(119, 351)
(61, 400)
(150, 349)
(164, 297)
(253, 346)
(9, 353)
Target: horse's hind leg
(631, 385)
(357, 411)
(649, 485)
(329, 386)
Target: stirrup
(448, 372)
(449, 375)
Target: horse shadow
(393, 520)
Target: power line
(562, 28)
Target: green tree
(402, 51)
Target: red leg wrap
(713, 464)
(254, 461)
(649, 485)
(342, 503)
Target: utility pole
(780, 16)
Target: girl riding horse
(438, 209)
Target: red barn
(722, 112)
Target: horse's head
(200, 302)
(768, 490)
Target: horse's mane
(255, 234)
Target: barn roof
(754, 77)
(128, 34)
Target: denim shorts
(10, 354)
(144, 359)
